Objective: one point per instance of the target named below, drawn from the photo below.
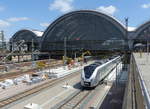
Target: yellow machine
(67, 60)
(84, 53)
(41, 64)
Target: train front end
(88, 77)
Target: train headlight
(92, 80)
(82, 77)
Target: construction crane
(68, 60)
(82, 58)
(84, 53)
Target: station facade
(84, 30)
(88, 30)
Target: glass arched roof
(27, 35)
(84, 29)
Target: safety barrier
(136, 94)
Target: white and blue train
(94, 73)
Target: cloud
(4, 23)
(145, 6)
(62, 5)
(107, 9)
(2, 8)
(131, 28)
(16, 19)
(44, 24)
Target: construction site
(47, 69)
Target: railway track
(34, 90)
(29, 71)
(75, 101)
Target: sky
(39, 14)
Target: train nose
(88, 84)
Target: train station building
(84, 30)
(88, 30)
(59, 70)
(29, 39)
(141, 36)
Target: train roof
(100, 62)
(92, 66)
(96, 64)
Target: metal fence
(141, 87)
(136, 94)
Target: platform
(143, 64)
(142, 74)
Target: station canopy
(24, 39)
(142, 33)
(27, 36)
(85, 29)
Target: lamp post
(127, 43)
(148, 44)
(126, 34)
(65, 50)
(49, 62)
(32, 54)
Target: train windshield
(88, 70)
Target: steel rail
(34, 90)
(74, 101)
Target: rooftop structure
(30, 38)
(85, 29)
